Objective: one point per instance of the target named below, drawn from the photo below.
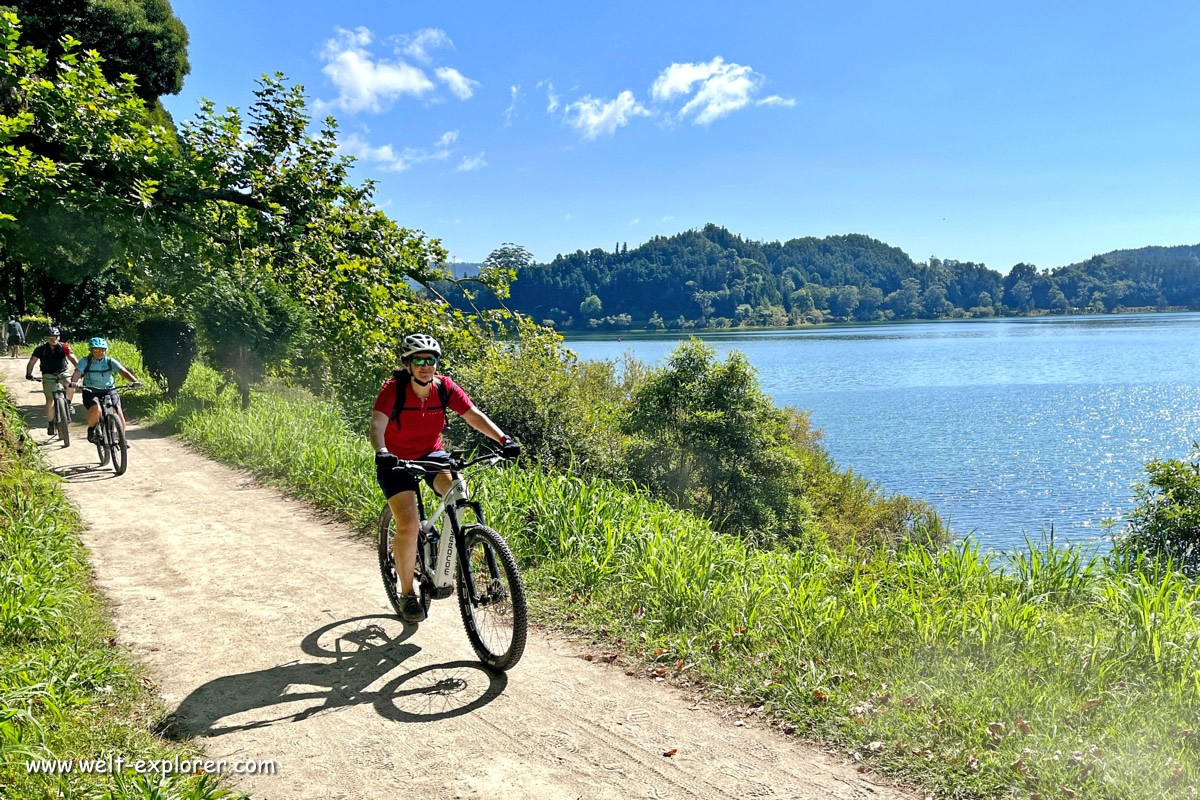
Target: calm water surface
(1006, 426)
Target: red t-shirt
(421, 421)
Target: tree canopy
(142, 38)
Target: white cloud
(462, 86)
(551, 97)
(593, 117)
(567, 217)
(386, 157)
(634, 221)
(414, 45)
(720, 89)
(512, 107)
(776, 100)
(667, 218)
(471, 163)
(365, 83)
(679, 78)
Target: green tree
(934, 303)
(704, 434)
(142, 38)
(1058, 300)
(591, 307)
(843, 300)
(1019, 296)
(80, 171)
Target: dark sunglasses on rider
(424, 362)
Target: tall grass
(1054, 674)
(65, 692)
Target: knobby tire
(505, 593)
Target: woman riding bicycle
(97, 370)
(406, 423)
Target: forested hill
(714, 278)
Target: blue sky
(996, 132)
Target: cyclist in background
(96, 371)
(406, 422)
(16, 337)
(54, 356)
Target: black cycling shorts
(91, 396)
(395, 481)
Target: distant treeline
(713, 278)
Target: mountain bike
(61, 411)
(110, 432)
(491, 596)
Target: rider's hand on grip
(510, 447)
(386, 460)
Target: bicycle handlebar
(117, 389)
(435, 466)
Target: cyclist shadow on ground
(84, 473)
(360, 657)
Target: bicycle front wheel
(115, 432)
(63, 422)
(493, 600)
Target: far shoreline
(570, 334)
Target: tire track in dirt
(269, 636)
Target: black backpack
(401, 377)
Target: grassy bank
(1051, 676)
(66, 691)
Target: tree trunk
(19, 287)
(54, 295)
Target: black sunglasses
(424, 362)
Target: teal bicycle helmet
(98, 341)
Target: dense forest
(714, 278)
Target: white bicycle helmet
(420, 343)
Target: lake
(1007, 426)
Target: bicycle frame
(449, 508)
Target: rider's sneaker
(413, 611)
(49, 428)
(91, 435)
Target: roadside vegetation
(66, 690)
(1053, 673)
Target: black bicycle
(110, 432)
(491, 596)
(62, 413)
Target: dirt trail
(269, 635)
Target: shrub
(35, 327)
(245, 321)
(168, 348)
(564, 412)
(1165, 524)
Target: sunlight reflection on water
(1007, 426)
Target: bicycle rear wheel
(115, 434)
(496, 617)
(62, 422)
(102, 440)
(387, 564)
